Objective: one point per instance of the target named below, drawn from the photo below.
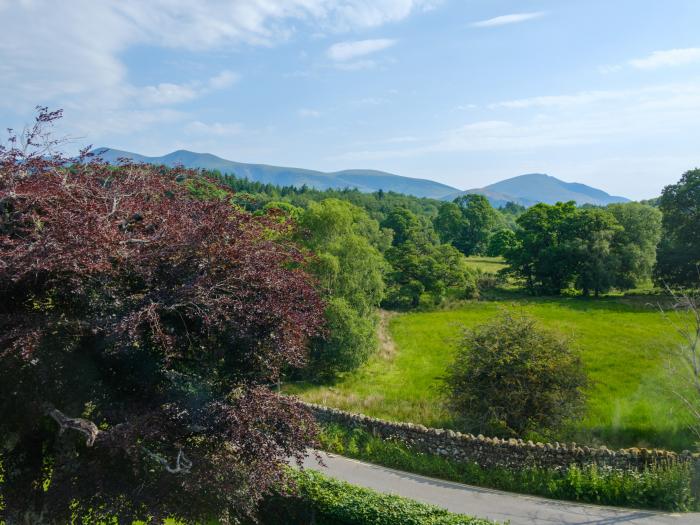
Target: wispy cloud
(513, 18)
(167, 93)
(657, 60)
(343, 51)
(218, 129)
(223, 80)
(653, 111)
(562, 101)
(308, 113)
(668, 58)
(81, 67)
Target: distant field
(486, 264)
(623, 344)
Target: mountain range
(526, 189)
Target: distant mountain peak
(531, 188)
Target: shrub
(511, 377)
(315, 498)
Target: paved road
(487, 503)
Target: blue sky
(466, 92)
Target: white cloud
(652, 112)
(218, 129)
(356, 65)
(223, 80)
(309, 113)
(68, 54)
(343, 51)
(169, 94)
(513, 18)
(669, 58)
(561, 101)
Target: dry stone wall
(494, 452)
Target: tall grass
(662, 488)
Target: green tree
(425, 268)
(541, 255)
(501, 242)
(419, 264)
(449, 223)
(634, 246)
(350, 270)
(349, 341)
(588, 241)
(511, 377)
(406, 226)
(467, 223)
(592, 249)
(679, 251)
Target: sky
(465, 92)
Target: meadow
(486, 264)
(624, 345)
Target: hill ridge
(363, 179)
(527, 189)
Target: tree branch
(83, 426)
(182, 464)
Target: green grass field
(486, 264)
(624, 345)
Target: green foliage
(590, 249)
(512, 377)
(467, 223)
(663, 488)
(540, 256)
(501, 242)
(679, 252)
(377, 205)
(284, 208)
(350, 270)
(315, 498)
(405, 225)
(349, 341)
(422, 267)
(634, 245)
(589, 243)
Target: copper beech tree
(138, 327)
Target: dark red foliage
(127, 302)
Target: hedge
(313, 498)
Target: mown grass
(624, 344)
(661, 488)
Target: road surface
(488, 503)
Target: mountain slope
(537, 187)
(364, 180)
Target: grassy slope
(623, 348)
